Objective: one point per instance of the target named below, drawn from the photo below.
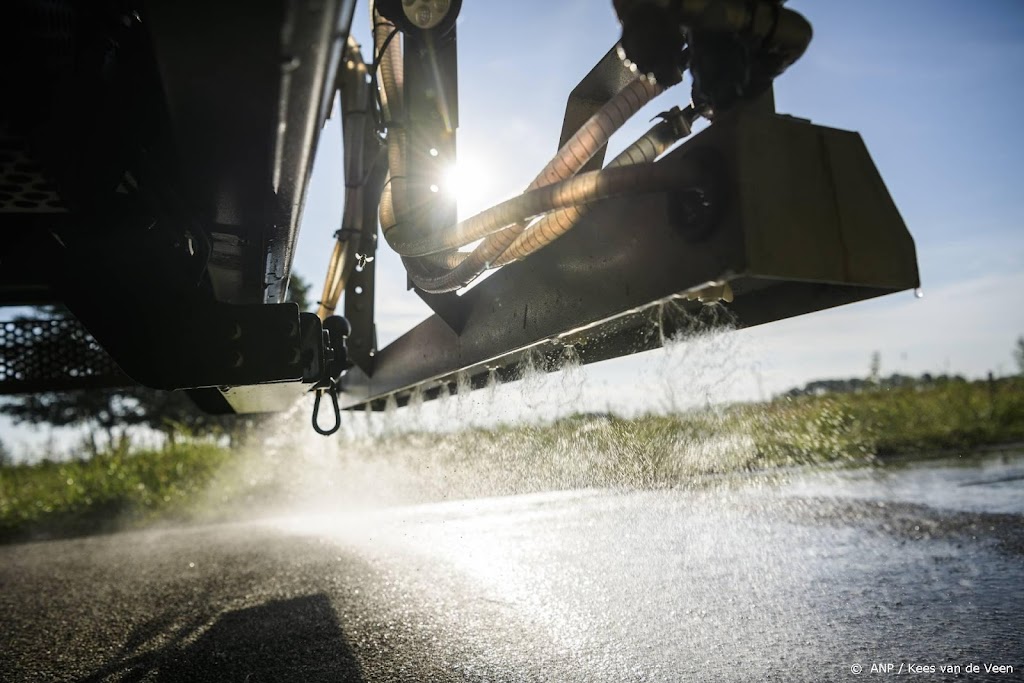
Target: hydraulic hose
(387, 52)
(653, 144)
(334, 283)
(583, 189)
(579, 149)
(595, 133)
(390, 77)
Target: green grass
(112, 489)
(196, 481)
(952, 416)
(922, 420)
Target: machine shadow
(298, 639)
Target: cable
(380, 124)
(583, 189)
(675, 126)
(574, 154)
(577, 151)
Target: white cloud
(964, 327)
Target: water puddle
(985, 482)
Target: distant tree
(5, 455)
(97, 410)
(113, 412)
(1018, 355)
(298, 291)
(829, 386)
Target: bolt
(692, 215)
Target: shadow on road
(286, 640)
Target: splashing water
(542, 433)
(702, 365)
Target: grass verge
(201, 481)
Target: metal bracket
(432, 117)
(360, 290)
(803, 223)
(359, 309)
(277, 396)
(431, 96)
(448, 307)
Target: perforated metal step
(53, 355)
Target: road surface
(802, 580)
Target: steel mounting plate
(806, 223)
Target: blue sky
(934, 87)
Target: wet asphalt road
(803, 580)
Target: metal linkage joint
(336, 330)
(332, 390)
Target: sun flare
(469, 182)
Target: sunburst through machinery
(173, 247)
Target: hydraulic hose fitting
(734, 49)
(736, 55)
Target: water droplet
(918, 293)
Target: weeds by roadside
(195, 480)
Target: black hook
(337, 412)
